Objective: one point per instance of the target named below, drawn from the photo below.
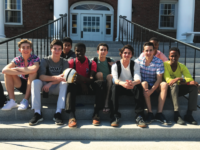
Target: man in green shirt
(180, 86)
(104, 78)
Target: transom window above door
(91, 7)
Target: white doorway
(91, 27)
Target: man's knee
(164, 85)
(32, 75)
(36, 83)
(99, 76)
(109, 77)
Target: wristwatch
(183, 80)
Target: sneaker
(58, 119)
(9, 105)
(96, 121)
(190, 119)
(115, 122)
(161, 118)
(72, 123)
(178, 119)
(140, 122)
(36, 119)
(23, 105)
(150, 118)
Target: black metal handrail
(41, 37)
(135, 34)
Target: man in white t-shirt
(127, 81)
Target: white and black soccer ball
(69, 75)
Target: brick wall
(35, 13)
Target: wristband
(188, 83)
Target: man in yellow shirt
(180, 86)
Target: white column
(2, 12)
(185, 22)
(124, 9)
(60, 7)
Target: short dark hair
(154, 39)
(80, 45)
(175, 49)
(67, 39)
(102, 44)
(56, 42)
(128, 47)
(148, 44)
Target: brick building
(98, 20)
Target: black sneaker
(161, 118)
(140, 122)
(58, 119)
(178, 119)
(115, 122)
(190, 119)
(36, 118)
(150, 118)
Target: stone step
(127, 130)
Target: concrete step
(127, 130)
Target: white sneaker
(23, 105)
(9, 105)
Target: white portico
(2, 29)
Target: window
(13, 11)
(167, 16)
(74, 24)
(91, 7)
(108, 25)
(91, 24)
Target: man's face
(155, 44)
(127, 54)
(56, 50)
(67, 47)
(79, 52)
(25, 49)
(148, 51)
(102, 52)
(173, 57)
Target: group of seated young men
(151, 73)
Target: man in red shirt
(84, 82)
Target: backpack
(108, 60)
(119, 68)
(89, 62)
(69, 54)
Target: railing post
(123, 31)
(119, 27)
(127, 31)
(7, 53)
(194, 64)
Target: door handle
(81, 34)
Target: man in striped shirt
(152, 69)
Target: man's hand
(147, 93)
(111, 63)
(126, 85)
(84, 89)
(173, 81)
(194, 83)
(60, 78)
(46, 87)
(78, 78)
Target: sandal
(106, 110)
(72, 123)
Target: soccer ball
(69, 75)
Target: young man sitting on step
(104, 78)
(127, 81)
(84, 81)
(19, 74)
(152, 69)
(180, 86)
(50, 81)
(67, 53)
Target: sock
(72, 115)
(58, 110)
(38, 111)
(189, 112)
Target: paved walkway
(99, 145)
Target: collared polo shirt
(83, 68)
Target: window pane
(13, 4)
(173, 6)
(74, 17)
(108, 18)
(89, 29)
(74, 30)
(97, 18)
(85, 29)
(108, 25)
(97, 30)
(162, 6)
(93, 18)
(89, 18)
(74, 24)
(85, 23)
(89, 24)
(13, 16)
(107, 31)
(84, 18)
